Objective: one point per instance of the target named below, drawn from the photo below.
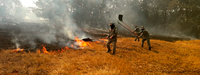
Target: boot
(113, 53)
(108, 51)
(149, 48)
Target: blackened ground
(99, 33)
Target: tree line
(163, 16)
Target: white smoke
(63, 20)
(60, 28)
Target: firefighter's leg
(148, 42)
(108, 45)
(114, 46)
(136, 38)
(143, 42)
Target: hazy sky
(28, 3)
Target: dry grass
(180, 57)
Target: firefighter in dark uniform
(112, 37)
(145, 36)
(137, 31)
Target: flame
(54, 52)
(38, 51)
(72, 46)
(62, 50)
(66, 48)
(18, 50)
(44, 50)
(81, 43)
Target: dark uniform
(145, 36)
(112, 37)
(137, 31)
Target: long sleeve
(109, 33)
(141, 34)
(135, 29)
(115, 32)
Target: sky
(28, 3)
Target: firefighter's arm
(140, 35)
(134, 29)
(115, 34)
(108, 34)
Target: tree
(9, 9)
(187, 15)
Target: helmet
(142, 27)
(111, 23)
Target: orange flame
(54, 52)
(81, 43)
(44, 50)
(38, 51)
(18, 50)
(72, 46)
(62, 50)
(66, 48)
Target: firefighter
(112, 37)
(145, 36)
(137, 31)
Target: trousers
(148, 42)
(114, 44)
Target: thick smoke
(57, 25)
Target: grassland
(165, 58)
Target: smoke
(55, 21)
(133, 16)
(56, 26)
(129, 10)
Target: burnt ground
(6, 39)
(6, 43)
(103, 33)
